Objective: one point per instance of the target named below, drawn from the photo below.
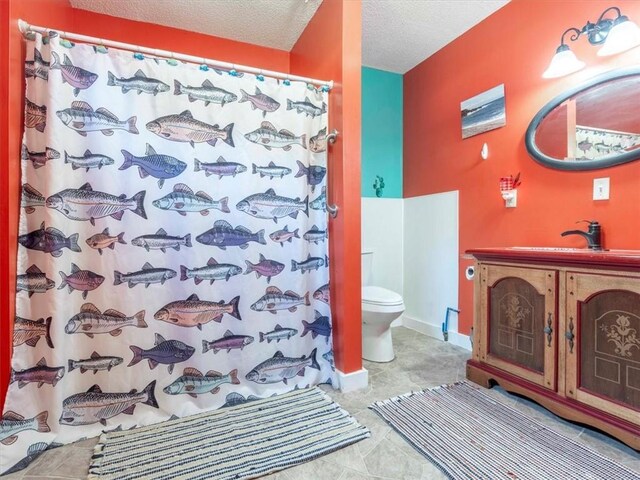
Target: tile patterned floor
(420, 362)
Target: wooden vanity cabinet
(562, 327)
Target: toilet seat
(380, 296)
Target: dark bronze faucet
(593, 235)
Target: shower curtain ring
(204, 67)
(286, 81)
(100, 48)
(138, 55)
(64, 42)
(260, 76)
(172, 61)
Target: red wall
(513, 46)
(59, 15)
(330, 48)
(54, 12)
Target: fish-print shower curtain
(173, 251)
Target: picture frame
(483, 112)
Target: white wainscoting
(431, 263)
(415, 245)
(382, 230)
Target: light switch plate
(601, 188)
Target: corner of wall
(337, 27)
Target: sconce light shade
(618, 34)
(623, 36)
(563, 63)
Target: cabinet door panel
(520, 334)
(610, 346)
(517, 311)
(604, 366)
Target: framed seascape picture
(483, 112)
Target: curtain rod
(25, 28)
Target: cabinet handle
(569, 335)
(548, 330)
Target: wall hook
(484, 152)
(333, 136)
(378, 185)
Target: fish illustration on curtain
(173, 253)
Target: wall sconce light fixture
(615, 35)
(509, 190)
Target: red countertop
(616, 259)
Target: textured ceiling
(399, 34)
(396, 34)
(270, 23)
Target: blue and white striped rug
(246, 441)
(469, 435)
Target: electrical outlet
(601, 188)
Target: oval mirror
(594, 125)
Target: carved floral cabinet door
(602, 348)
(520, 334)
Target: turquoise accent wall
(381, 132)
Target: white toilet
(380, 307)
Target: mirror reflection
(589, 128)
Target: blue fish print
(50, 240)
(320, 203)
(158, 166)
(167, 352)
(234, 398)
(329, 358)
(223, 235)
(311, 263)
(320, 326)
(314, 173)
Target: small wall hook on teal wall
(378, 185)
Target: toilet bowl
(380, 307)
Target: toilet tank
(367, 268)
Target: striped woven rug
(469, 435)
(240, 442)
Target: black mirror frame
(604, 162)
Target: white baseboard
(423, 327)
(435, 331)
(349, 382)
